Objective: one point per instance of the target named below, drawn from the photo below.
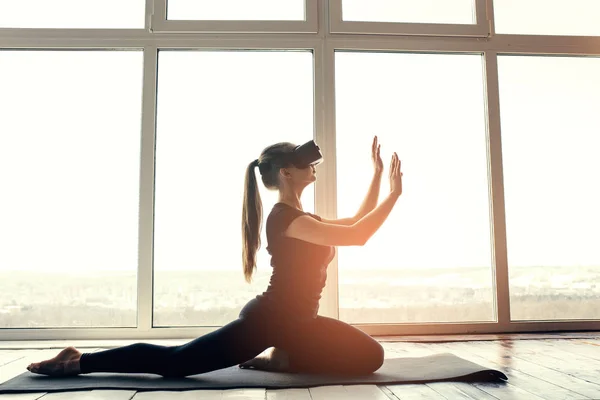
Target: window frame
(323, 44)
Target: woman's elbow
(360, 237)
(361, 241)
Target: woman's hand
(376, 157)
(395, 175)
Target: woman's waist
(274, 305)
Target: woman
(282, 323)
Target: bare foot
(272, 359)
(64, 364)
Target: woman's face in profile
(303, 176)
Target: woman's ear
(285, 173)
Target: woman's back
(299, 267)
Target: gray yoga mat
(439, 367)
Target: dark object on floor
(439, 367)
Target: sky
(70, 131)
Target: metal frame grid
(332, 34)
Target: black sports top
(299, 267)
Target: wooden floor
(549, 369)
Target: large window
(69, 156)
(550, 140)
(431, 261)
(216, 113)
(276, 10)
(235, 16)
(428, 11)
(543, 17)
(72, 14)
(126, 128)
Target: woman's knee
(368, 359)
(367, 354)
(374, 357)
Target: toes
(47, 367)
(34, 367)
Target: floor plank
(230, 394)
(351, 392)
(460, 391)
(10, 356)
(562, 348)
(371, 392)
(21, 396)
(92, 395)
(582, 347)
(179, 395)
(244, 394)
(288, 394)
(415, 392)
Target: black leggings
(315, 345)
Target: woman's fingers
(395, 165)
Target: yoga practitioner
(278, 330)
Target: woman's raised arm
(310, 230)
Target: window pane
(69, 152)
(420, 11)
(543, 17)
(249, 10)
(216, 112)
(549, 109)
(72, 14)
(431, 260)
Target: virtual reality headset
(306, 155)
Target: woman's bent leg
(326, 345)
(232, 344)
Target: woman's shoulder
(282, 215)
(285, 210)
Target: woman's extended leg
(326, 345)
(229, 345)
